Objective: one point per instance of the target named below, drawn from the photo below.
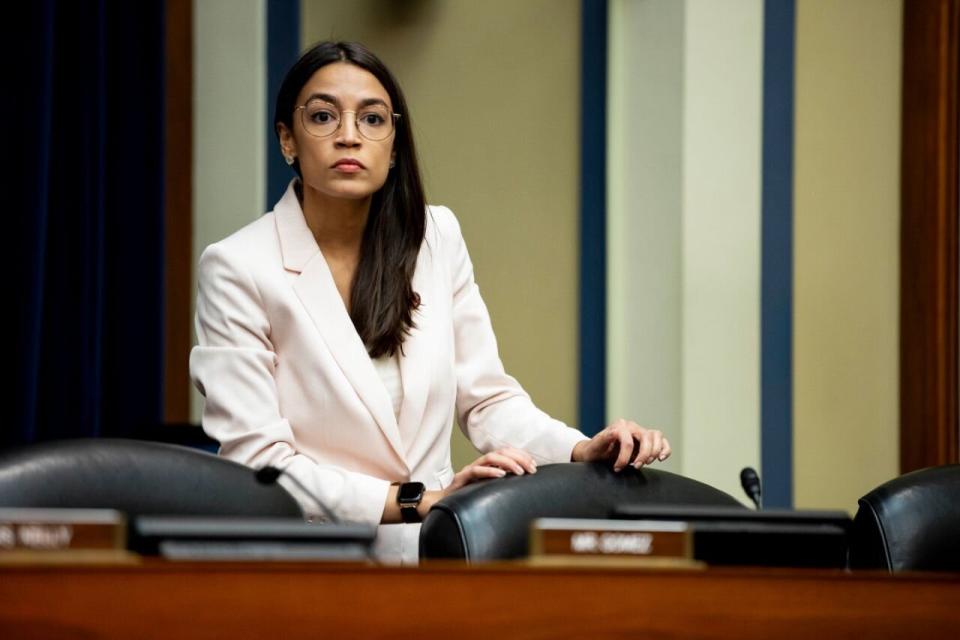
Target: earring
(289, 159)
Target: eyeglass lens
(322, 119)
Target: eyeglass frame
(356, 123)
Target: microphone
(269, 475)
(750, 482)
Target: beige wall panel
(846, 225)
(493, 90)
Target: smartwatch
(409, 496)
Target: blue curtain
(283, 49)
(85, 203)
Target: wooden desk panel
(281, 600)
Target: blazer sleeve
(492, 408)
(233, 366)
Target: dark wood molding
(179, 214)
(929, 235)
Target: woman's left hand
(623, 442)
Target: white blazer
(288, 382)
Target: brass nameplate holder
(557, 541)
(55, 535)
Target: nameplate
(610, 538)
(61, 529)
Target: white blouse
(388, 368)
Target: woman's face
(344, 165)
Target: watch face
(410, 492)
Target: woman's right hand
(495, 464)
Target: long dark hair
(382, 299)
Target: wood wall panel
(928, 240)
(178, 209)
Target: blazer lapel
(318, 294)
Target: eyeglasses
(322, 119)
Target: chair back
(910, 523)
(136, 477)
(490, 520)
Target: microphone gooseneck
(750, 482)
(270, 475)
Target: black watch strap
(409, 496)
(409, 514)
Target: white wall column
(684, 228)
(229, 111)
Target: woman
(338, 332)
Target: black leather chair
(911, 523)
(490, 520)
(136, 477)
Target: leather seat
(490, 520)
(910, 523)
(136, 477)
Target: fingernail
(501, 472)
(663, 456)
